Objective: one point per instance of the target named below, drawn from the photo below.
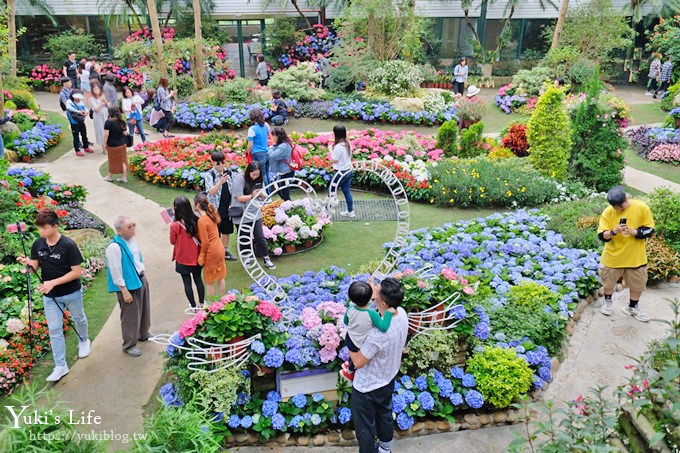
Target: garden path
(646, 182)
(113, 384)
(117, 387)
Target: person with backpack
(110, 91)
(65, 93)
(280, 157)
(280, 109)
(186, 248)
(217, 182)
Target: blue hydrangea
(445, 388)
(469, 380)
(296, 422)
(409, 396)
(538, 382)
(273, 358)
(246, 422)
(234, 421)
(421, 383)
(274, 396)
(299, 400)
(218, 416)
(344, 415)
(482, 330)
(404, 421)
(278, 421)
(426, 401)
(456, 399)
(257, 346)
(169, 395)
(474, 399)
(459, 312)
(316, 397)
(315, 419)
(242, 398)
(269, 408)
(457, 372)
(545, 373)
(398, 403)
(407, 382)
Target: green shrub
(299, 82)
(482, 182)
(24, 99)
(665, 206)
(60, 45)
(532, 295)
(668, 102)
(447, 138)
(531, 81)
(580, 73)
(597, 143)
(469, 141)
(549, 134)
(561, 59)
(395, 78)
(185, 86)
(540, 327)
(501, 376)
(236, 90)
(437, 350)
(661, 259)
(577, 221)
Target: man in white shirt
(377, 365)
(126, 278)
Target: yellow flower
(509, 193)
(450, 200)
(553, 174)
(481, 189)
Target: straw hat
(472, 91)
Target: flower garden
(32, 136)
(24, 192)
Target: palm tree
(177, 7)
(655, 8)
(198, 37)
(41, 6)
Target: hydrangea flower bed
(292, 223)
(383, 111)
(646, 139)
(36, 141)
(178, 162)
(492, 254)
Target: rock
(600, 292)
(282, 439)
(554, 365)
(464, 425)
(8, 128)
(576, 316)
(471, 419)
(348, 435)
(590, 299)
(333, 437)
(570, 329)
(401, 433)
(580, 308)
(674, 279)
(253, 438)
(319, 440)
(229, 440)
(511, 416)
(455, 427)
(443, 425)
(429, 425)
(84, 235)
(303, 441)
(499, 418)
(417, 427)
(484, 419)
(241, 438)
(408, 104)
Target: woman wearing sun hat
(472, 91)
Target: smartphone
(258, 186)
(168, 215)
(19, 227)
(623, 221)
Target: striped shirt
(666, 71)
(383, 351)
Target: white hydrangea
(3, 345)
(294, 222)
(15, 325)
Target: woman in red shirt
(184, 238)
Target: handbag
(129, 140)
(235, 212)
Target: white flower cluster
(295, 222)
(15, 325)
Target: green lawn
(97, 308)
(666, 171)
(647, 114)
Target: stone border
(346, 438)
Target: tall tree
(560, 24)
(653, 8)
(123, 12)
(30, 5)
(158, 36)
(198, 37)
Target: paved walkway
(117, 387)
(646, 182)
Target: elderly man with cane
(59, 259)
(126, 278)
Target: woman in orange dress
(211, 256)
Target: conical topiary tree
(549, 135)
(598, 144)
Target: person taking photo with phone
(217, 183)
(59, 260)
(623, 228)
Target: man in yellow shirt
(624, 226)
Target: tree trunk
(297, 8)
(560, 24)
(158, 36)
(198, 37)
(2, 98)
(12, 25)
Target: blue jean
(345, 184)
(278, 120)
(263, 159)
(2, 148)
(74, 304)
(140, 129)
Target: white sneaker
(84, 349)
(351, 215)
(606, 308)
(269, 264)
(636, 313)
(648, 93)
(58, 373)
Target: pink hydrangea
(269, 310)
(332, 309)
(666, 153)
(310, 318)
(227, 298)
(278, 251)
(449, 274)
(468, 290)
(188, 328)
(216, 306)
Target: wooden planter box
(289, 383)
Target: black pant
(285, 193)
(372, 413)
(652, 84)
(259, 241)
(352, 347)
(79, 130)
(189, 290)
(458, 87)
(168, 121)
(662, 87)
